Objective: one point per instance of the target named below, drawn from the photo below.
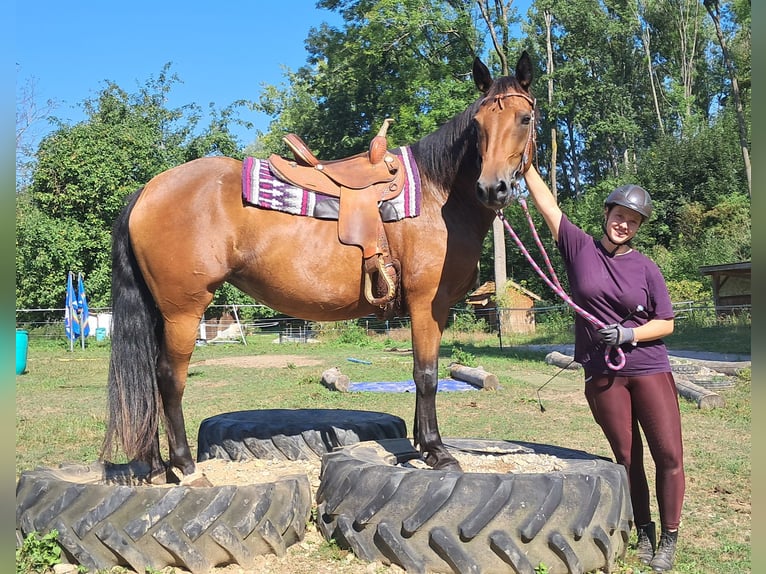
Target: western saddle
(360, 182)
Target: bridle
(530, 146)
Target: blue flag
(82, 307)
(71, 320)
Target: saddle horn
(379, 144)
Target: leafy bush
(465, 321)
(462, 357)
(38, 554)
(688, 290)
(345, 333)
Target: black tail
(136, 329)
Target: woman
(626, 291)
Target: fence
(232, 323)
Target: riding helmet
(633, 197)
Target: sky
(221, 51)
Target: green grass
(61, 408)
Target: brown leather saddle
(360, 182)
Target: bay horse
(187, 231)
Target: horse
(187, 231)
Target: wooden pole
(241, 330)
(476, 376)
(705, 398)
(334, 380)
(562, 360)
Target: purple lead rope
(553, 281)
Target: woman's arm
(654, 329)
(544, 200)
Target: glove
(615, 334)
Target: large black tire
(198, 528)
(573, 521)
(291, 434)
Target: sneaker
(647, 542)
(666, 552)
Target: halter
(526, 157)
(553, 283)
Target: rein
(553, 281)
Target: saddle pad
(261, 187)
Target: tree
(408, 60)
(83, 174)
(29, 113)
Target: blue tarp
(445, 385)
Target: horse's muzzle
(498, 194)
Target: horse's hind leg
(172, 369)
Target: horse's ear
(481, 76)
(524, 70)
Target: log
(562, 360)
(705, 398)
(334, 380)
(477, 376)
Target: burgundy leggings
(619, 405)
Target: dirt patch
(261, 361)
(256, 471)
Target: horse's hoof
(442, 461)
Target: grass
(61, 407)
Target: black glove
(615, 334)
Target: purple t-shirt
(609, 287)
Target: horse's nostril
(495, 194)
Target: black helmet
(633, 197)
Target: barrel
(22, 347)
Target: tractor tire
(571, 521)
(291, 434)
(103, 525)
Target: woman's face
(622, 224)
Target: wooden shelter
(516, 316)
(731, 286)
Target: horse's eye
(526, 119)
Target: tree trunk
(498, 240)
(713, 9)
(554, 143)
(688, 22)
(646, 41)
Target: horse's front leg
(425, 348)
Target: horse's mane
(439, 155)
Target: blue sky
(221, 51)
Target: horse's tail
(133, 396)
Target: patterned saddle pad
(261, 187)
